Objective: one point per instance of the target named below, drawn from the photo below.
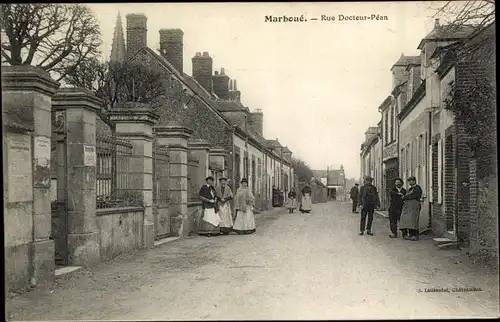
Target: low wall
(194, 217)
(120, 229)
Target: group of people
(217, 217)
(404, 207)
(306, 202)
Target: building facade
(209, 103)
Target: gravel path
(300, 266)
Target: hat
(223, 179)
(356, 184)
(369, 178)
(244, 180)
(209, 178)
(412, 178)
(398, 179)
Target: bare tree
(54, 37)
(116, 83)
(478, 13)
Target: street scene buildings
(145, 182)
(419, 135)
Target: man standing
(368, 200)
(354, 197)
(397, 193)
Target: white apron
(211, 217)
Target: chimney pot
(230, 84)
(222, 72)
(436, 23)
(216, 73)
(203, 70)
(171, 46)
(234, 85)
(136, 33)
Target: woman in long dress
(224, 196)
(306, 203)
(292, 201)
(244, 201)
(409, 221)
(208, 225)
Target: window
(386, 128)
(254, 181)
(407, 165)
(439, 175)
(391, 125)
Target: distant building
(334, 180)
(371, 158)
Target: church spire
(118, 46)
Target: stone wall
(120, 231)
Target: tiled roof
(230, 105)
(407, 60)
(448, 32)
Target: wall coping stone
(199, 144)
(76, 97)
(173, 130)
(133, 112)
(218, 151)
(121, 210)
(26, 78)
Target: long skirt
(306, 202)
(291, 203)
(244, 222)
(209, 223)
(226, 218)
(410, 215)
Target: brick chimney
(137, 33)
(234, 94)
(172, 47)
(202, 70)
(256, 120)
(221, 84)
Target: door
(59, 213)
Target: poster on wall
(19, 175)
(41, 149)
(89, 156)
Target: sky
(318, 83)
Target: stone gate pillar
(176, 136)
(26, 98)
(134, 122)
(80, 106)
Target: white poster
(89, 156)
(19, 178)
(42, 151)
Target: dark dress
(205, 228)
(409, 222)
(395, 208)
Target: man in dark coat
(397, 193)
(354, 197)
(368, 200)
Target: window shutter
(440, 169)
